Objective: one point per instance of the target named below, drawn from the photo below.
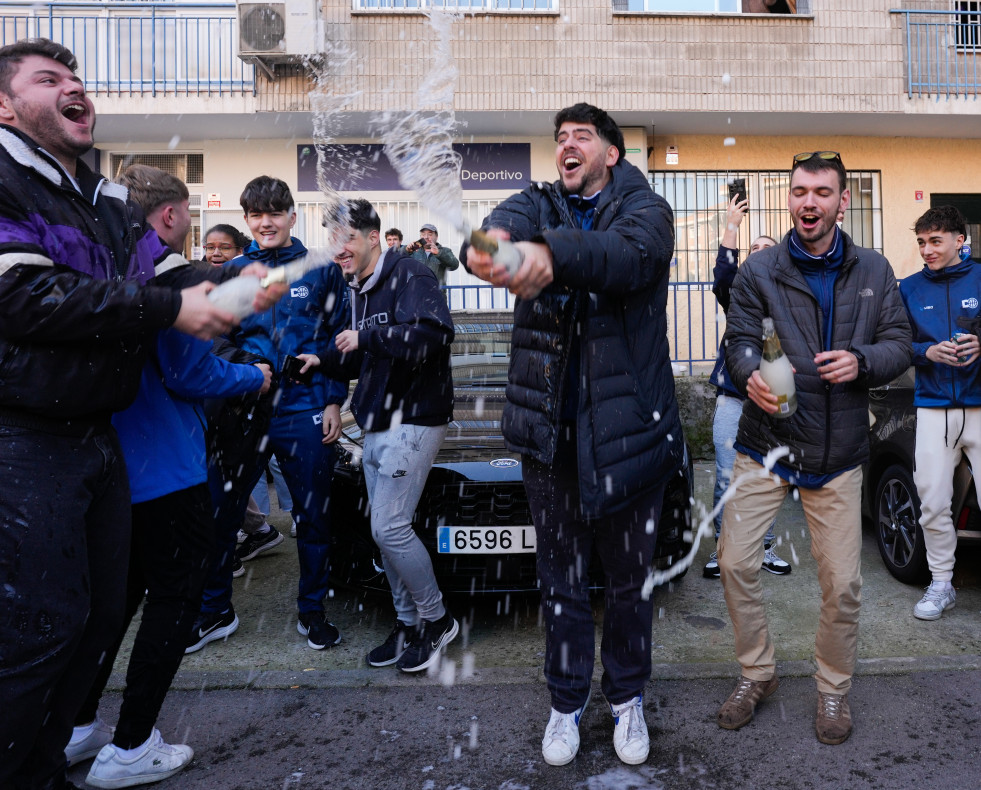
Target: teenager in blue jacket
(304, 423)
(942, 303)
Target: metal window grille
(967, 30)
(699, 199)
(189, 168)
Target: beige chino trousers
(834, 519)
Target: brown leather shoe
(834, 718)
(739, 708)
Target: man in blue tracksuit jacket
(305, 418)
(942, 302)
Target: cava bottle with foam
(776, 371)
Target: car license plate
(485, 540)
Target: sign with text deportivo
(365, 168)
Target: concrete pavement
(502, 637)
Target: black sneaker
(319, 632)
(210, 626)
(773, 563)
(238, 569)
(391, 651)
(425, 648)
(711, 569)
(257, 543)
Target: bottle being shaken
(776, 371)
(237, 294)
(503, 252)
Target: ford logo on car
(503, 463)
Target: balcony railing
(135, 48)
(942, 51)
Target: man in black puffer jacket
(591, 407)
(841, 322)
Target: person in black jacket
(399, 350)
(842, 325)
(85, 285)
(592, 409)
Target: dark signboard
(365, 168)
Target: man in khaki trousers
(841, 323)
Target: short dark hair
(946, 219)
(393, 232)
(238, 238)
(815, 164)
(606, 127)
(13, 54)
(361, 216)
(150, 187)
(266, 193)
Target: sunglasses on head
(830, 156)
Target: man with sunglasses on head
(837, 311)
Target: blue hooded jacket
(163, 432)
(305, 321)
(935, 301)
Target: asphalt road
(918, 730)
(263, 711)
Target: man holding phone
(729, 400)
(429, 251)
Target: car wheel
(897, 526)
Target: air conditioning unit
(280, 31)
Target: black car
(890, 494)
(473, 516)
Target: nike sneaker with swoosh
(428, 644)
(210, 627)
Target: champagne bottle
(776, 371)
(501, 251)
(237, 295)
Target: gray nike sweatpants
(396, 464)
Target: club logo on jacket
(970, 303)
(300, 292)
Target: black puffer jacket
(610, 289)
(829, 431)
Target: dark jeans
(172, 541)
(625, 546)
(64, 548)
(308, 467)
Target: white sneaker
(561, 741)
(292, 528)
(155, 761)
(87, 741)
(630, 737)
(240, 537)
(939, 596)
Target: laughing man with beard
(591, 408)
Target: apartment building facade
(706, 90)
